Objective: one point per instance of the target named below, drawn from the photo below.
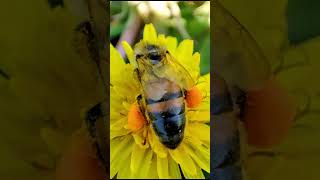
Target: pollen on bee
(193, 97)
(135, 118)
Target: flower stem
(131, 31)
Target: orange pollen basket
(135, 118)
(193, 97)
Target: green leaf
(205, 55)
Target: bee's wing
(174, 71)
(237, 56)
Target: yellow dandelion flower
(135, 149)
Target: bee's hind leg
(142, 109)
(140, 103)
(193, 97)
(136, 116)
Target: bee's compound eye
(155, 57)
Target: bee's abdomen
(165, 97)
(168, 118)
(174, 114)
(169, 125)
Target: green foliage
(303, 20)
(205, 55)
(117, 28)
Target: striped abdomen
(166, 109)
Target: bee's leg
(145, 135)
(140, 103)
(136, 116)
(136, 75)
(142, 108)
(139, 97)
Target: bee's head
(154, 54)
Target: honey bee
(164, 82)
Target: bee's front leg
(136, 75)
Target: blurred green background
(183, 20)
(288, 33)
(303, 20)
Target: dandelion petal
(118, 124)
(162, 167)
(198, 175)
(174, 171)
(171, 44)
(125, 174)
(117, 146)
(180, 156)
(200, 130)
(185, 48)
(116, 62)
(199, 115)
(200, 158)
(127, 48)
(150, 34)
(120, 149)
(196, 59)
(162, 39)
(153, 173)
(140, 161)
(118, 133)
